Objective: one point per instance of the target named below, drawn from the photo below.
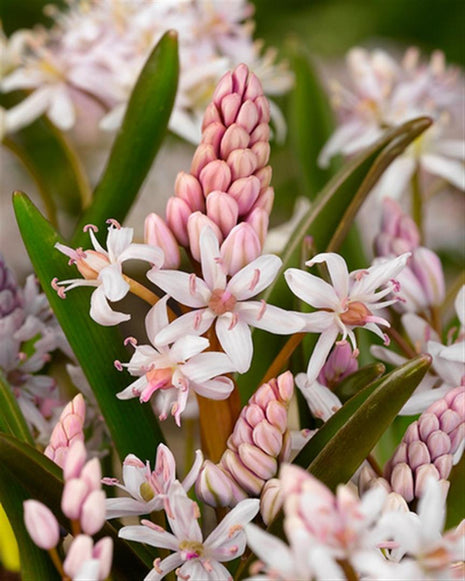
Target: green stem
(417, 202)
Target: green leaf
(456, 497)
(42, 480)
(346, 439)
(356, 381)
(138, 140)
(35, 563)
(11, 419)
(310, 122)
(132, 426)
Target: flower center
(146, 491)
(355, 315)
(191, 550)
(221, 301)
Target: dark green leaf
(138, 140)
(456, 496)
(356, 381)
(11, 419)
(132, 426)
(346, 439)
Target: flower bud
(245, 191)
(265, 200)
(195, 224)
(260, 133)
(223, 210)
(240, 247)
(41, 524)
(235, 137)
(340, 363)
(258, 219)
(204, 154)
(93, 512)
(224, 87)
(240, 78)
(79, 552)
(75, 460)
(427, 267)
(211, 115)
(247, 116)
(188, 188)
(216, 175)
(242, 162)
(177, 215)
(103, 551)
(74, 494)
(213, 485)
(244, 477)
(271, 500)
(402, 481)
(229, 107)
(258, 461)
(213, 135)
(157, 233)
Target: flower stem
(141, 291)
(283, 357)
(417, 202)
(397, 337)
(349, 571)
(57, 562)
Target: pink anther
(118, 365)
(262, 310)
(88, 227)
(113, 223)
(255, 279)
(130, 341)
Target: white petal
(188, 346)
(396, 178)
(113, 284)
(376, 276)
(270, 318)
(454, 352)
(218, 388)
(101, 312)
(27, 110)
(118, 240)
(61, 110)
(254, 277)
(343, 135)
(421, 399)
(241, 515)
(451, 148)
(156, 319)
(271, 550)
(207, 365)
(210, 258)
(337, 268)
(89, 571)
(387, 355)
(418, 331)
(191, 477)
(166, 565)
(312, 289)
(193, 323)
(114, 118)
(181, 517)
(451, 170)
(432, 510)
(318, 321)
(146, 252)
(142, 534)
(236, 340)
(181, 287)
(321, 351)
(459, 304)
(118, 507)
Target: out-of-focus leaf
(35, 563)
(132, 426)
(327, 222)
(346, 439)
(15, 15)
(456, 496)
(139, 138)
(356, 381)
(310, 122)
(42, 479)
(11, 419)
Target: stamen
(197, 320)
(233, 530)
(59, 289)
(395, 285)
(109, 481)
(262, 310)
(114, 223)
(192, 283)
(206, 565)
(387, 340)
(255, 279)
(359, 275)
(156, 565)
(88, 227)
(118, 365)
(22, 356)
(234, 320)
(130, 341)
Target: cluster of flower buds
(430, 446)
(83, 502)
(68, 430)
(259, 442)
(422, 280)
(228, 187)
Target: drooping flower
(103, 269)
(173, 370)
(215, 299)
(193, 557)
(148, 488)
(351, 301)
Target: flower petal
(218, 388)
(254, 277)
(113, 283)
(210, 258)
(193, 323)
(311, 289)
(236, 340)
(321, 351)
(187, 290)
(156, 319)
(270, 318)
(207, 365)
(188, 346)
(101, 312)
(143, 534)
(146, 252)
(337, 268)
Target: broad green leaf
(310, 122)
(346, 439)
(356, 381)
(138, 140)
(42, 479)
(456, 497)
(132, 426)
(327, 222)
(11, 419)
(35, 563)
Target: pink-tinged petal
(210, 258)
(459, 304)
(41, 524)
(101, 312)
(113, 284)
(191, 476)
(236, 339)
(254, 277)
(312, 289)
(118, 241)
(337, 268)
(169, 564)
(377, 275)
(207, 365)
(318, 321)
(118, 507)
(454, 352)
(143, 534)
(450, 169)
(103, 551)
(61, 110)
(156, 319)
(79, 551)
(222, 537)
(93, 512)
(270, 318)
(451, 372)
(451, 148)
(181, 513)
(193, 323)
(418, 330)
(146, 252)
(343, 135)
(218, 388)
(187, 347)
(367, 136)
(89, 571)
(183, 287)
(320, 352)
(387, 355)
(193, 569)
(270, 550)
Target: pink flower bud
(41, 524)
(103, 551)
(211, 115)
(224, 87)
(235, 137)
(68, 429)
(177, 215)
(418, 454)
(262, 152)
(254, 88)
(213, 135)
(75, 460)
(271, 500)
(340, 363)
(258, 219)
(216, 175)
(260, 133)
(422, 474)
(93, 512)
(408, 232)
(157, 233)
(240, 77)
(444, 465)
(438, 443)
(247, 116)
(188, 188)
(79, 552)
(402, 481)
(265, 200)
(427, 424)
(254, 414)
(258, 461)
(242, 433)
(92, 474)
(196, 223)
(229, 107)
(276, 414)
(245, 191)
(204, 154)
(242, 162)
(268, 437)
(240, 247)
(223, 210)
(246, 479)
(264, 175)
(427, 267)
(74, 494)
(213, 485)
(449, 420)
(263, 107)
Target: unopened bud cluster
(259, 442)
(228, 186)
(422, 280)
(429, 446)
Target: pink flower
(215, 299)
